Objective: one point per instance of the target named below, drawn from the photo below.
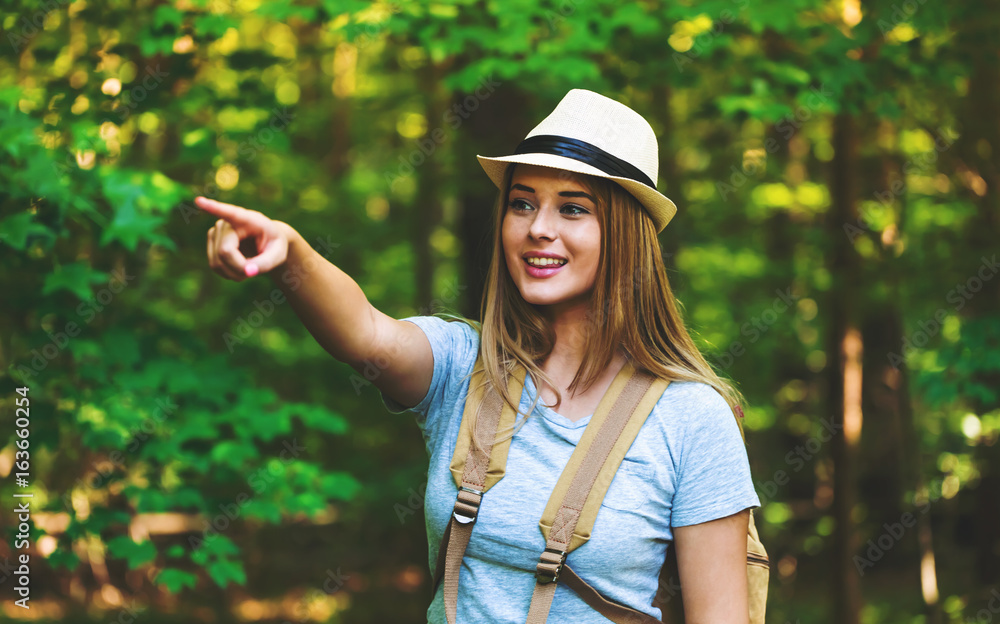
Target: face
(550, 213)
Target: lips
(542, 254)
(542, 272)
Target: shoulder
(454, 341)
(704, 454)
(692, 416)
(450, 331)
(693, 401)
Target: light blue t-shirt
(687, 465)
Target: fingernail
(251, 269)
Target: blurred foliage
(189, 439)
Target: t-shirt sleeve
(454, 346)
(713, 471)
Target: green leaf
(214, 25)
(318, 417)
(129, 227)
(65, 558)
(101, 518)
(214, 547)
(75, 277)
(234, 454)
(136, 554)
(339, 485)
(150, 501)
(263, 510)
(166, 14)
(225, 570)
(16, 230)
(189, 497)
(175, 580)
(175, 551)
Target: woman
(576, 288)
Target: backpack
(572, 507)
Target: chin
(549, 298)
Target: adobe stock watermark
(597, 316)
(666, 590)
(371, 31)
(901, 13)
(105, 469)
(563, 11)
(372, 368)
(259, 481)
(797, 459)
(879, 546)
(138, 94)
(958, 297)
(128, 613)
(332, 583)
(86, 312)
(757, 326)
(787, 127)
(247, 149)
(986, 615)
(701, 41)
(243, 328)
(6, 570)
(431, 141)
(918, 163)
(414, 503)
(28, 26)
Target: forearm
(328, 301)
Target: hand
(236, 225)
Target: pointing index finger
(228, 212)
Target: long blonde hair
(632, 306)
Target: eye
(579, 210)
(517, 204)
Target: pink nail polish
(251, 269)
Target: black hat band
(584, 152)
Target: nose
(543, 224)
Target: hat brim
(660, 208)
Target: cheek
(593, 242)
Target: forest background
(195, 456)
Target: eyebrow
(521, 187)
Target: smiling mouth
(543, 270)
(544, 263)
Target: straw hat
(592, 134)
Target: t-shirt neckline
(548, 413)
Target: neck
(571, 323)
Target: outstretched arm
(330, 304)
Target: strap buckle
(549, 565)
(467, 505)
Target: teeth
(541, 262)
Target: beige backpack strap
(758, 564)
(758, 573)
(620, 614)
(572, 508)
(475, 468)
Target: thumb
(274, 253)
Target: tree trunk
(501, 120)
(430, 192)
(844, 349)
(979, 147)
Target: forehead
(537, 175)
